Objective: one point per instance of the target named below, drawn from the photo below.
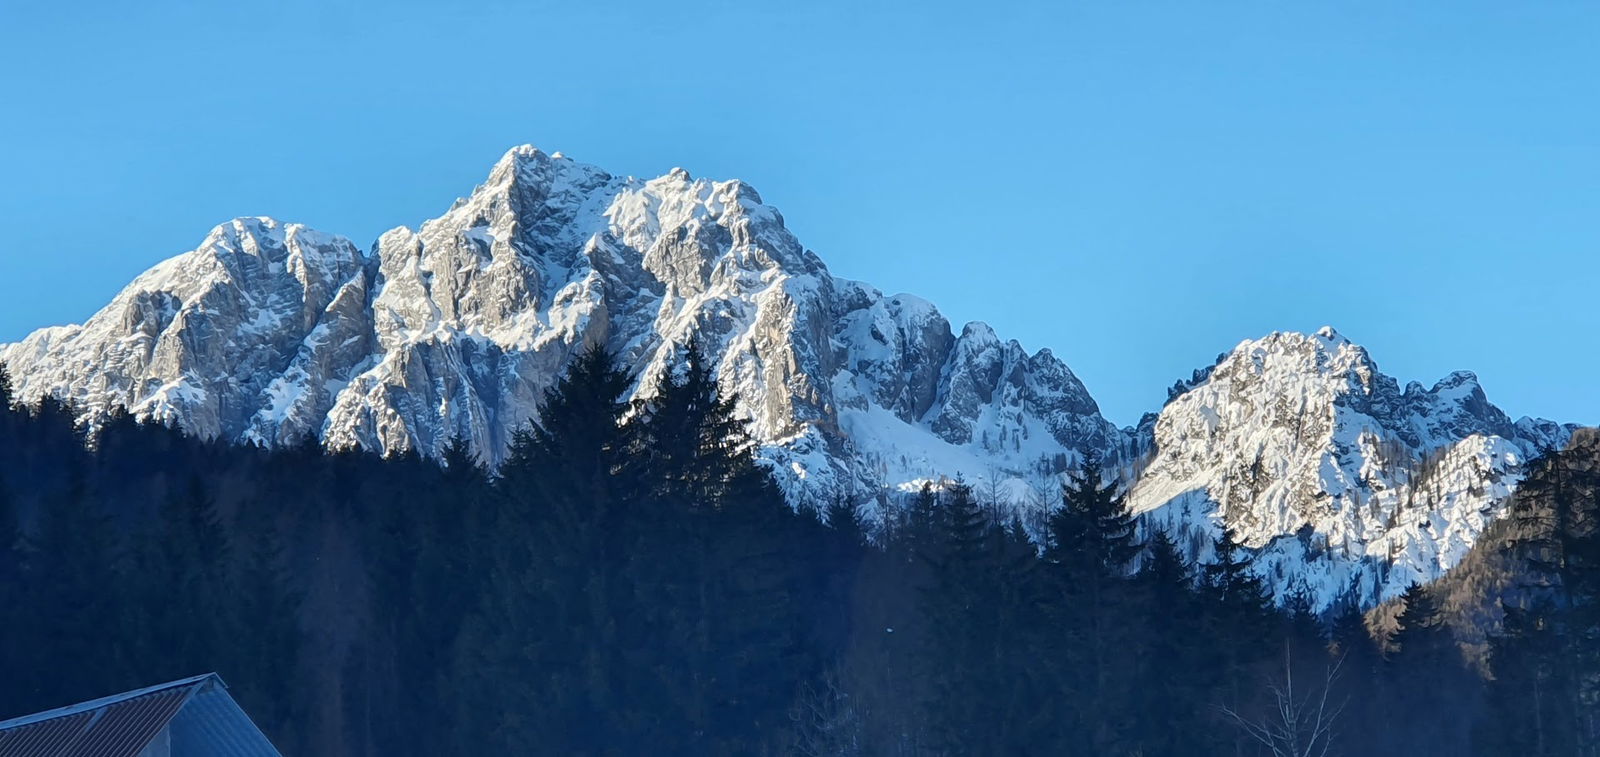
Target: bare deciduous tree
(1297, 724)
(826, 721)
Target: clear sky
(1136, 185)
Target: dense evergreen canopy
(630, 582)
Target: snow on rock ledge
(272, 333)
(1348, 488)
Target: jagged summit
(273, 333)
(1349, 487)
(199, 339)
(459, 325)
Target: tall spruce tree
(671, 638)
(1168, 684)
(559, 592)
(738, 590)
(1352, 646)
(1090, 545)
(840, 550)
(1530, 709)
(1420, 634)
(982, 611)
(1546, 659)
(1424, 669)
(1238, 624)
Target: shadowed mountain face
(272, 333)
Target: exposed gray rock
(271, 333)
(1348, 488)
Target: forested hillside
(630, 581)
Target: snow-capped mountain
(272, 333)
(218, 339)
(1346, 485)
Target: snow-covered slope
(1348, 486)
(222, 340)
(272, 333)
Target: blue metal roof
(212, 724)
(95, 704)
(202, 718)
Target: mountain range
(1346, 486)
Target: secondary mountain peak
(1317, 459)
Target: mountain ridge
(272, 333)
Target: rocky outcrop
(272, 333)
(252, 330)
(1347, 486)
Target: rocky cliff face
(207, 339)
(1346, 485)
(272, 333)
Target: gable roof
(124, 724)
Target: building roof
(123, 725)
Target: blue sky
(1136, 185)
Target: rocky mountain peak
(459, 325)
(273, 333)
(1313, 456)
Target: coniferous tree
(1530, 709)
(14, 641)
(684, 468)
(1351, 644)
(1093, 528)
(1420, 632)
(1168, 681)
(1238, 625)
(920, 536)
(1423, 667)
(453, 528)
(269, 624)
(883, 667)
(11, 543)
(76, 594)
(183, 565)
(841, 551)
(751, 561)
(630, 581)
(400, 647)
(951, 605)
(1089, 547)
(1019, 629)
(551, 614)
(1545, 662)
(982, 614)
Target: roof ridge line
(95, 704)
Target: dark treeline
(1545, 656)
(631, 582)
